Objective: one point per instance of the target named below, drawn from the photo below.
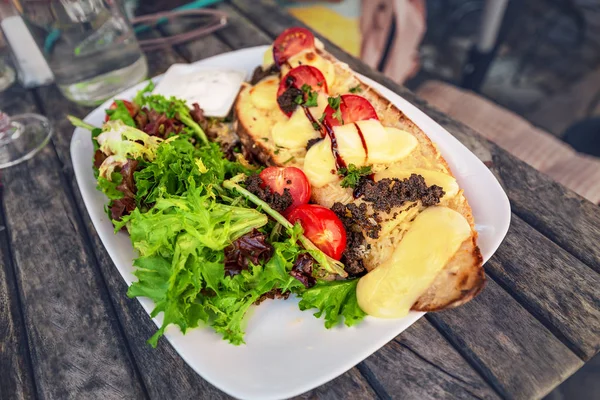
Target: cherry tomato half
(278, 179)
(300, 76)
(353, 108)
(291, 42)
(132, 108)
(322, 227)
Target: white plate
(287, 351)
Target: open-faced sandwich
(317, 186)
(409, 228)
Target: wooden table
(68, 330)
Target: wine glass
(22, 136)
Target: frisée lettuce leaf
(181, 266)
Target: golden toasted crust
(463, 277)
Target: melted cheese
(445, 181)
(390, 290)
(383, 145)
(350, 145)
(319, 164)
(310, 57)
(264, 94)
(386, 145)
(295, 132)
(268, 58)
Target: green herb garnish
(356, 89)
(311, 97)
(334, 102)
(352, 175)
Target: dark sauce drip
(339, 161)
(362, 140)
(310, 117)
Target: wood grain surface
(68, 330)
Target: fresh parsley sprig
(352, 175)
(356, 89)
(334, 102)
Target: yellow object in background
(341, 30)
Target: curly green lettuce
(172, 107)
(181, 265)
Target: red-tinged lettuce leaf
(335, 299)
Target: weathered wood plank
(515, 353)
(204, 47)
(553, 285)
(16, 376)
(16, 379)
(75, 342)
(240, 32)
(351, 385)
(558, 213)
(420, 364)
(561, 215)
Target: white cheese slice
(213, 89)
(350, 145)
(319, 164)
(264, 94)
(445, 181)
(268, 58)
(385, 144)
(295, 132)
(390, 290)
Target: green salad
(208, 248)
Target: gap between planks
(13, 277)
(64, 178)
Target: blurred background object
(88, 44)
(32, 69)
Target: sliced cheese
(385, 144)
(268, 58)
(264, 94)
(319, 164)
(322, 104)
(295, 132)
(390, 290)
(310, 57)
(445, 181)
(350, 145)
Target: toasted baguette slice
(462, 278)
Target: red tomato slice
(303, 75)
(353, 108)
(291, 42)
(132, 108)
(278, 179)
(299, 76)
(322, 227)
